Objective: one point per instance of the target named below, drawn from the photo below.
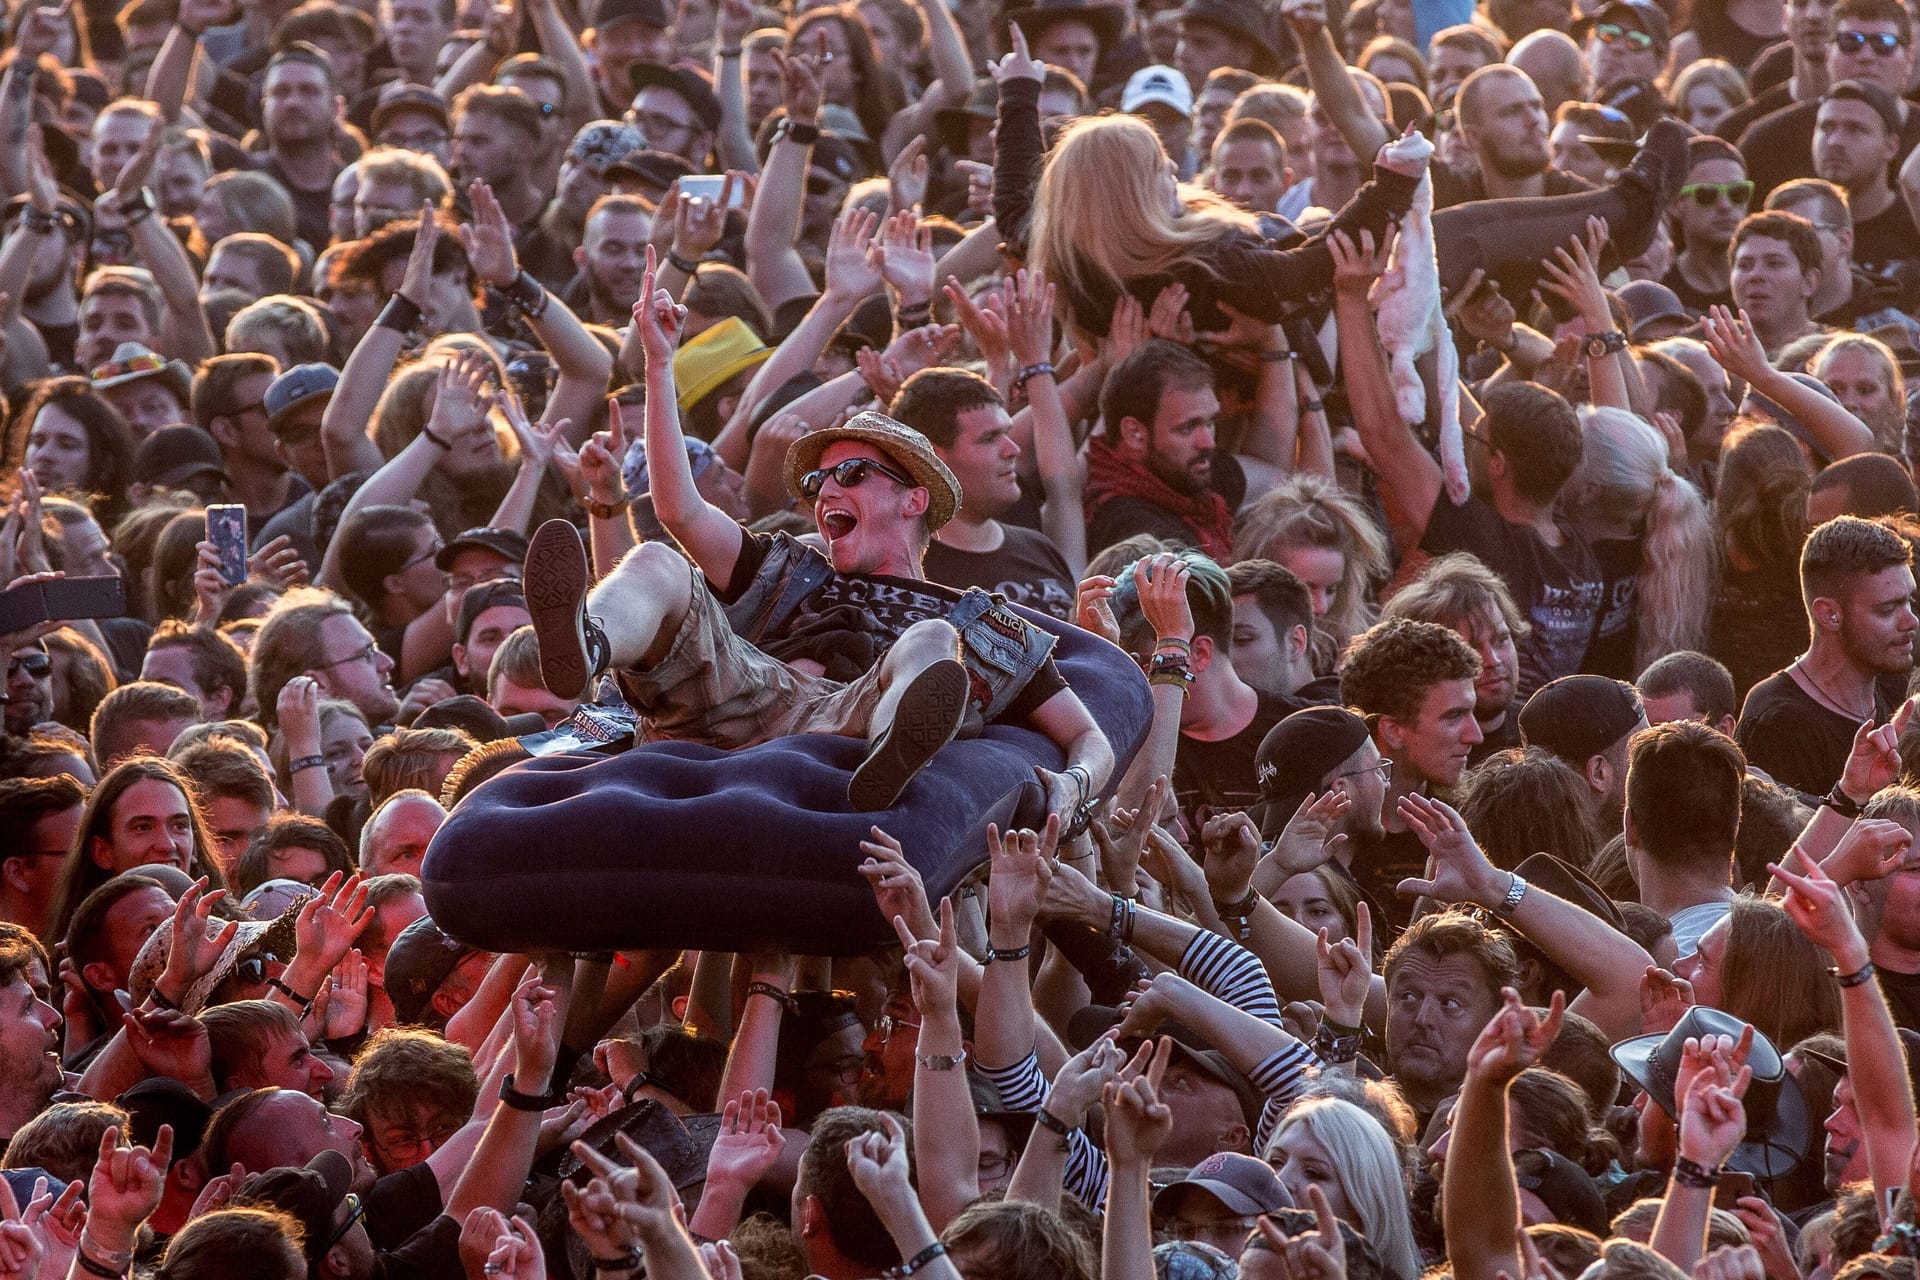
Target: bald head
(395, 838)
(1553, 62)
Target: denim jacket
(1001, 650)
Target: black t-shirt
(1380, 864)
(1610, 653)
(1696, 301)
(1559, 587)
(1495, 740)
(849, 621)
(432, 1253)
(1887, 238)
(1219, 776)
(61, 340)
(1027, 569)
(310, 208)
(1795, 740)
(1453, 186)
(1758, 624)
(400, 1204)
(1903, 996)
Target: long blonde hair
(1308, 510)
(1100, 216)
(1624, 477)
(1368, 1165)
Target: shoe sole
(927, 717)
(555, 582)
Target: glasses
(888, 1024)
(995, 1165)
(654, 123)
(467, 581)
(428, 554)
(1614, 33)
(848, 475)
(34, 664)
(1707, 194)
(845, 1069)
(1883, 43)
(358, 655)
(251, 970)
(1384, 769)
(355, 1212)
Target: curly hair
(402, 1067)
(1389, 667)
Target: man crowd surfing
(1484, 424)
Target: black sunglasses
(34, 664)
(251, 970)
(848, 475)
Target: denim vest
(1000, 649)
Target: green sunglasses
(1705, 194)
(1613, 33)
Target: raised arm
(1018, 148)
(1570, 275)
(1138, 1122)
(1734, 344)
(40, 30)
(343, 427)
(170, 78)
(38, 222)
(1409, 475)
(559, 45)
(1331, 79)
(774, 265)
(498, 1169)
(1712, 1122)
(946, 1133)
(1029, 302)
(183, 327)
(708, 534)
(734, 140)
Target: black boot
(573, 649)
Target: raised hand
(904, 253)
(347, 997)
(1122, 836)
(488, 239)
(1138, 1122)
(1819, 907)
(699, 223)
(133, 175)
(897, 887)
(1769, 1234)
(852, 270)
(41, 30)
(1356, 265)
(800, 81)
(1092, 610)
(594, 1212)
(1126, 330)
(1320, 1254)
(1232, 846)
(1872, 849)
(1730, 1262)
(56, 1224)
(932, 966)
(882, 376)
(1082, 1078)
(1874, 760)
(1308, 840)
(1346, 970)
(516, 1254)
(1161, 581)
(1029, 301)
(278, 565)
(1571, 276)
(169, 1043)
(417, 282)
(987, 326)
(1018, 63)
(195, 945)
(1664, 1000)
(750, 1141)
(1735, 345)
(125, 1187)
(1021, 867)
(907, 175)
(536, 1011)
(1514, 1038)
(1481, 312)
(329, 923)
(1712, 1119)
(877, 1160)
(1169, 317)
(602, 457)
(659, 318)
(1461, 872)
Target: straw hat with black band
(902, 445)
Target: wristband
(685, 266)
(1859, 977)
(1842, 803)
(92, 1268)
(305, 1002)
(526, 295)
(1688, 1173)
(1314, 406)
(1278, 357)
(308, 762)
(1178, 677)
(941, 1061)
(401, 313)
(135, 207)
(1051, 1122)
(110, 1263)
(519, 1101)
(1173, 642)
(730, 51)
(1010, 953)
(435, 440)
(38, 221)
(609, 510)
(912, 317)
(792, 130)
(1239, 909)
(782, 998)
(1043, 369)
(629, 1261)
(159, 997)
(1335, 1047)
(913, 1264)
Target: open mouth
(837, 524)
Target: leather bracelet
(306, 762)
(1333, 1047)
(629, 1261)
(609, 510)
(799, 131)
(912, 317)
(1239, 909)
(685, 266)
(1314, 406)
(1842, 803)
(401, 313)
(159, 997)
(436, 440)
(917, 1261)
(1011, 953)
(136, 207)
(305, 1002)
(1689, 1173)
(1859, 977)
(38, 221)
(730, 51)
(526, 295)
(1051, 1122)
(102, 1270)
(519, 1101)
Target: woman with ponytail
(1653, 537)
(1760, 510)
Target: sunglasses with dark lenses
(849, 474)
(1884, 43)
(251, 970)
(1614, 33)
(34, 664)
(1705, 194)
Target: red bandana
(1205, 514)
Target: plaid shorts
(715, 688)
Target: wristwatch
(1600, 345)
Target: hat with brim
(1106, 21)
(1837, 1062)
(681, 1147)
(508, 543)
(273, 937)
(1239, 18)
(953, 125)
(133, 361)
(907, 448)
(1642, 15)
(1569, 884)
(655, 170)
(301, 385)
(1779, 1126)
(1246, 1186)
(693, 87)
(702, 366)
(1648, 301)
(173, 456)
(405, 96)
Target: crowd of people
(1485, 426)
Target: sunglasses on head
(1705, 194)
(1883, 43)
(251, 970)
(1614, 33)
(848, 475)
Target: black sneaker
(927, 716)
(1649, 184)
(573, 650)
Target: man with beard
(1588, 722)
(1855, 138)
(494, 131)
(29, 1039)
(229, 404)
(966, 420)
(29, 691)
(612, 258)
(1503, 121)
(1151, 469)
(298, 104)
(1708, 211)
(1467, 598)
(415, 31)
(1856, 579)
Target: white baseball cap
(1158, 84)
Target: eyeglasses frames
(1707, 194)
(1884, 43)
(849, 474)
(1614, 33)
